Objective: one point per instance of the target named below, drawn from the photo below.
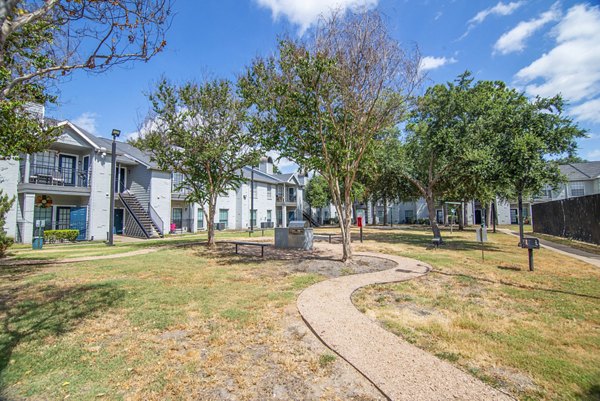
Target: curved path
(400, 370)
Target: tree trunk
(345, 225)
(488, 219)
(373, 204)
(461, 216)
(429, 199)
(520, 214)
(385, 212)
(494, 215)
(211, 222)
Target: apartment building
(68, 187)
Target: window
(255, 191)
(269, 193)
(268, 216)
(224, 216)
(253, 218)
(176, 180)
(120, 180)
(200, 222)
(547, 192)
(577, 189)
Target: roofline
(79, 132)
(590, 177)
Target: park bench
(243, 243)
(330, 235)
(250, 232)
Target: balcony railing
(61, 176)
(289, 198)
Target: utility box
(481, 234)
(298, 235)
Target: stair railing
(156, 220)
(135, 217)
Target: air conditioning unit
(219, 226)
(267, 224)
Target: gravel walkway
(400, 370)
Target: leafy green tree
(44, 41)
(440, 144)
(528, 133)
(5, 206)
(200, 132)
(317, 192)
(322, 101)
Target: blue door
(66, 165)
(79, 221)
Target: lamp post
(252, 200)
(113, 172)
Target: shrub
(5, 243)
(52, 236)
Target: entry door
(291, 216)
(63, 218)
(177, 217)
(118, 229)
(478, 216)
(66, 165)
(514, 217)
(78, 221)
(440, 216)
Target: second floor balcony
(61, 176)
(288, 198)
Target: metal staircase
(147, 226)
(310, 219)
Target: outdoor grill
(297, 235)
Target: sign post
(359, 222)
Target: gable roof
(581, 171)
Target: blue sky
(538, 46)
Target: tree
(317, 192)
(200, 132)
(528, 133)
(43, 41)
(5, 206)
(441, 139)
(323, 100)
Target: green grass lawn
(186, 323)
(534, 334)
(168, 325)
(99, 248)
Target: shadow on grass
(593, 393)
(30, 312)
(516, 285)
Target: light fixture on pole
(113, 172)
(252, 212)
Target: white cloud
(87, 121)
(499, 9)
(587, 111)
(431, 63)
(305, 12)
(593, 155)
(514, 40)
(572, 67)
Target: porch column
(27, 169)
(27, 218)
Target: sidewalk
(584, 256)
(398, 369)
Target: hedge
(52, 236)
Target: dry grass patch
(534, 334)
(176, 324)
